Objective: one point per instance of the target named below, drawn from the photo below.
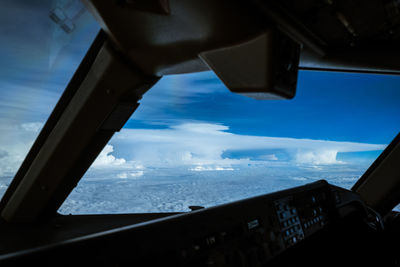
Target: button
(210, 240)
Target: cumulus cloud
(201, 146)
(195, 146)
(317, 157)
(105, 159)
(107, 166)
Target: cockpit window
(42, 44)
(192, 142)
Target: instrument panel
(250, 232)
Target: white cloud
(200, 168)
(108, 166)
(194, 146)
(126, 175)
(201, 145)
(105, 159)
(317, 157)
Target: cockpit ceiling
(166, 37)
(348, 23)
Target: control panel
(250, 232)
(290, 223)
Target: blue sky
(192, 123)
(39, 61)
(329, 106)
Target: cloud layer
(203, 146)
(194, 146)
(144, 170)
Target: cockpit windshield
(42, 44)
(191, 141)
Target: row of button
(314, 221)
(317, 210)
(291, 230)
(286, 214)
(290, 221)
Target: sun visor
(263, 68)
